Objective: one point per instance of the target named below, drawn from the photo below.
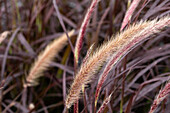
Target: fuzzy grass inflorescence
(106, 101)
(4, 35)
(116, 46)
(160, 97)
(80, 37)
(45, 58)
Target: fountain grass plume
(104, 104)
(45, 58)
(153, 28)
(160, 97)
(4, 35)
(116, 46)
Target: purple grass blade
(129, 13)
(62, 24)
(83, 29)
(6, 52)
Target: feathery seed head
(116, 47)
(45, 58)
(160, 97)
(4, 35)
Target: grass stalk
(76, 107)
(123, 85)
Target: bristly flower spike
(103, 106)
(114, 48)
(45, 58)
(160, 97)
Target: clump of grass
(45, 58)
(114, 48)
(37, 22)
